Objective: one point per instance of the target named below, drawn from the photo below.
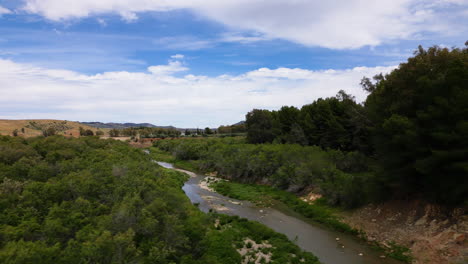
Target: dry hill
(34, 127)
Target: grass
(233, 230)
(265, 195)
(318, 211)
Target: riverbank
(441, 239)
(332, 247)
(317, 211)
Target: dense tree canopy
(88, 200)
(336, 122)
(419, 114)
(414, 123)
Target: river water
(329, 246)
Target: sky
(199, 63)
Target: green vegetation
(291, 167)
(86, 132)
(86, 200)
(419, 117)
(414, 124)
(340, 177)
(264, 195)
(409, 140)
(234, 130)
(144, 132)
(235, 230)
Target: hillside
(123, 125)
(34, 127)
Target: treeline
(86, 200)
(233, 129)
(144, 132)
(341, 177)
(414, 123)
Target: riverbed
(329, 246)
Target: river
(329, 246)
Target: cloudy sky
(197, 63)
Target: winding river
(329, 246)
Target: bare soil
(435, 235)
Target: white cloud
(177, 56)
(333, 24)
(4, 10)
(160, 97)
(171, 68)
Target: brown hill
(34, 127)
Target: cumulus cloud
(4, 10)
(161, 97)
(333, 24)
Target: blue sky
(203, 63)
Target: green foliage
(340, 176)
(114, 132)
(233, 230)
(86, 200)
(419, 114)
(414, 123)
(260, 126)
(86, 132)
(233, 129)
(336, 122)
(265, 195)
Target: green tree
(50, 131)
(114, 132)
(208, 131)
(419, 114)
(260, 126)
(82, 131)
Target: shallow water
(311, 237)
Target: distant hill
(34, 127)
(238, 123)
(124, 125)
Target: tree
(208, 131)
(99, 133)
(419, 115)
(49, 132)
(15, 133)
(259, 125)
(114, 132)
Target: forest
(408, 140)
(89, 200)
(413, 124)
